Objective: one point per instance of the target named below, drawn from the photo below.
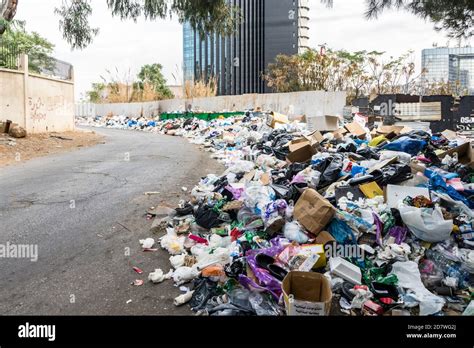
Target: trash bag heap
(346, 221)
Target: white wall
(37, 103)
(313, 103)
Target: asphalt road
(84, 210)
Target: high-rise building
(453, 65)
(237, 62)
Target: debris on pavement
(323, 218)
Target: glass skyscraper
(237, 62)
(453, 65)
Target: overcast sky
(127, 46)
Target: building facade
(237, 62)
(453, 65)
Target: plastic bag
(178, 261)
(172, 243)
(406, 144)
(258, 196)
(409, 277)
(204, 290)
(332, 172)
(426, 224)
(341, 232)
(185, 274)
(158, 276)
(207, 218)
(294, 232)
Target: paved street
(84, 209)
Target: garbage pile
(334, 221)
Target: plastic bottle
(449, 267)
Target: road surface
(85, 210)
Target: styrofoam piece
(345, 270)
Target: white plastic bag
(409, 277)
(185, 274)
(177, 261)
(158, 276)
(172, 243)
(426, 224)
(147, 243)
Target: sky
(126, 46)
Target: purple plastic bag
(265, 279)
(399, 233)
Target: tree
(359, 73)
(17, 40)
(203, 15)
(456, 17)
(148, 85)
(152, 75)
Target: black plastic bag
(207, 218)
(331, 174)
(368, 153)
(204, 290)
(395, 174)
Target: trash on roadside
(380, 217)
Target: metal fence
(9, 56)
(10, 59)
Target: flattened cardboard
(313, 211)
(450, 135)
(390, 129)
(356, 129)
(371, 190)
(351, 192)
(312, 294)
(395, 194)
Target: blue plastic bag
(406, 144)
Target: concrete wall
(37, 103)
(312, 103)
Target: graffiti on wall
(40, 107)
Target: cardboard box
(465, 153)
(325, 238)
(313, 211)
(302, 150)
(307, 294)
(274, 119)
(356, 129)
(308, 257)
(390, 129)
(322, 123)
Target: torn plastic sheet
(409, 277)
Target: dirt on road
(14, 151)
